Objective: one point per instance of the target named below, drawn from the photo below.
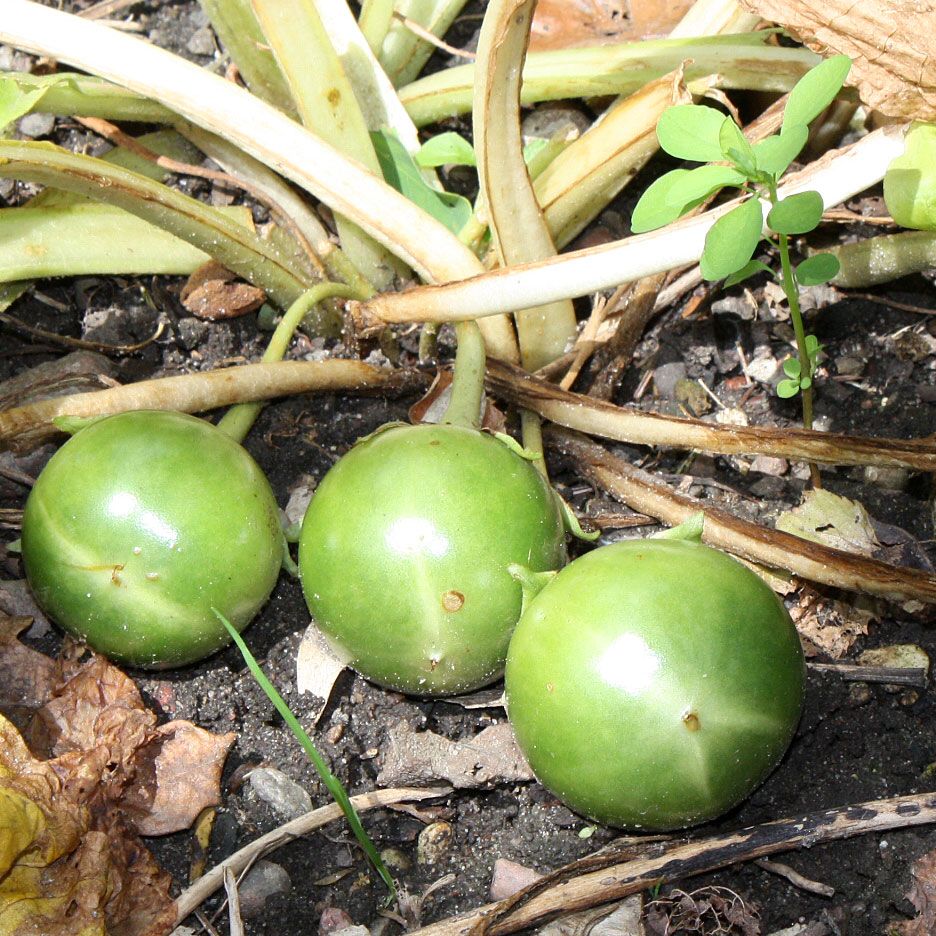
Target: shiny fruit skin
(142, 523)
(404, 553)
(654, 684)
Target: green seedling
(703, 134)
(332, 783)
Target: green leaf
(654, 208)
(791, 367)
(400, 171)
(732, 240)
(805, 383)
(788, 388)
(690, 131)
(796, 214)
(446, 149)
(749, 269)
(735, 146)
(16, 101)
(775, 154)
(812, 345)
(815, 91)
(697, 184)
(817, 269)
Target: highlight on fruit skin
(405, 550)
(654, 684)
(139, 525)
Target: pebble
(36, 125)
(890, 478)
(264, 880)
(693, 397)
(509, 877)
(282, 794)
(333, 920)
(434, 843)
(395, 860)
(769, 465)
(666, 376)
(763, 367)
(202, 42)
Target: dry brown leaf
(826, 625)
(491, 757)
(923, 896)
(213, 292)
(892, 46)
(100, 771)
(561, 24)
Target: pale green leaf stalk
(207, 228)
(402, 53)
(375, 21)
(516, 220)
(332, 783)
(740, 61)
(236, 26)
(326, 103)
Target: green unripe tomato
(910, 180)
(654, 684)
(404, 552)
(141, 524)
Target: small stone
(665, 378)
(202, 42)
(731, 416)
(890, 478)
(434, 843)
(763, 367)
(282, 794)
(693, 397)
(36, 125)
(395, 859)
(509, 877)
(264, 880)
(334, 919)
(769, 465)
(351, 931)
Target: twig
(206, 885)
(891, 303)
(644, 493)
(235, 923)
(432, 38)
(625, 424)
(795, 878)
(27, 426)
(67, 342)
(914, 676)
(603, 878)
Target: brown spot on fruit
(691, 721)
(452, 601)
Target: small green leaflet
(446, 149)
(815, 91)
(788, 388)
(791, 367)
(732, 240)
(15, 102)
(734, 146)
(749, 269)
(796, 214)
(817, 269)
(400, 171)
(654, 209)
(690, 131)
(774, 154)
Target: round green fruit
(139, 526)
(405, 549)
(654, 684)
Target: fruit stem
(239, 419)
(464, 407)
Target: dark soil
(856, 742)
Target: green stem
(239, 419)
(464, 407)
(332, 783)
(531, 432)
(791, 290)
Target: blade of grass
(207, 228)
(516, 221)
(618, 69)
(332, 783)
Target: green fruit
(139, 526)
(404, 553)
(910, 180)
(654, 684)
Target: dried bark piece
(491, 757)
(214, 292)
(892, 46)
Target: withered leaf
(214, 292)
(827, 625)
(892, 46)
(923, 897)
